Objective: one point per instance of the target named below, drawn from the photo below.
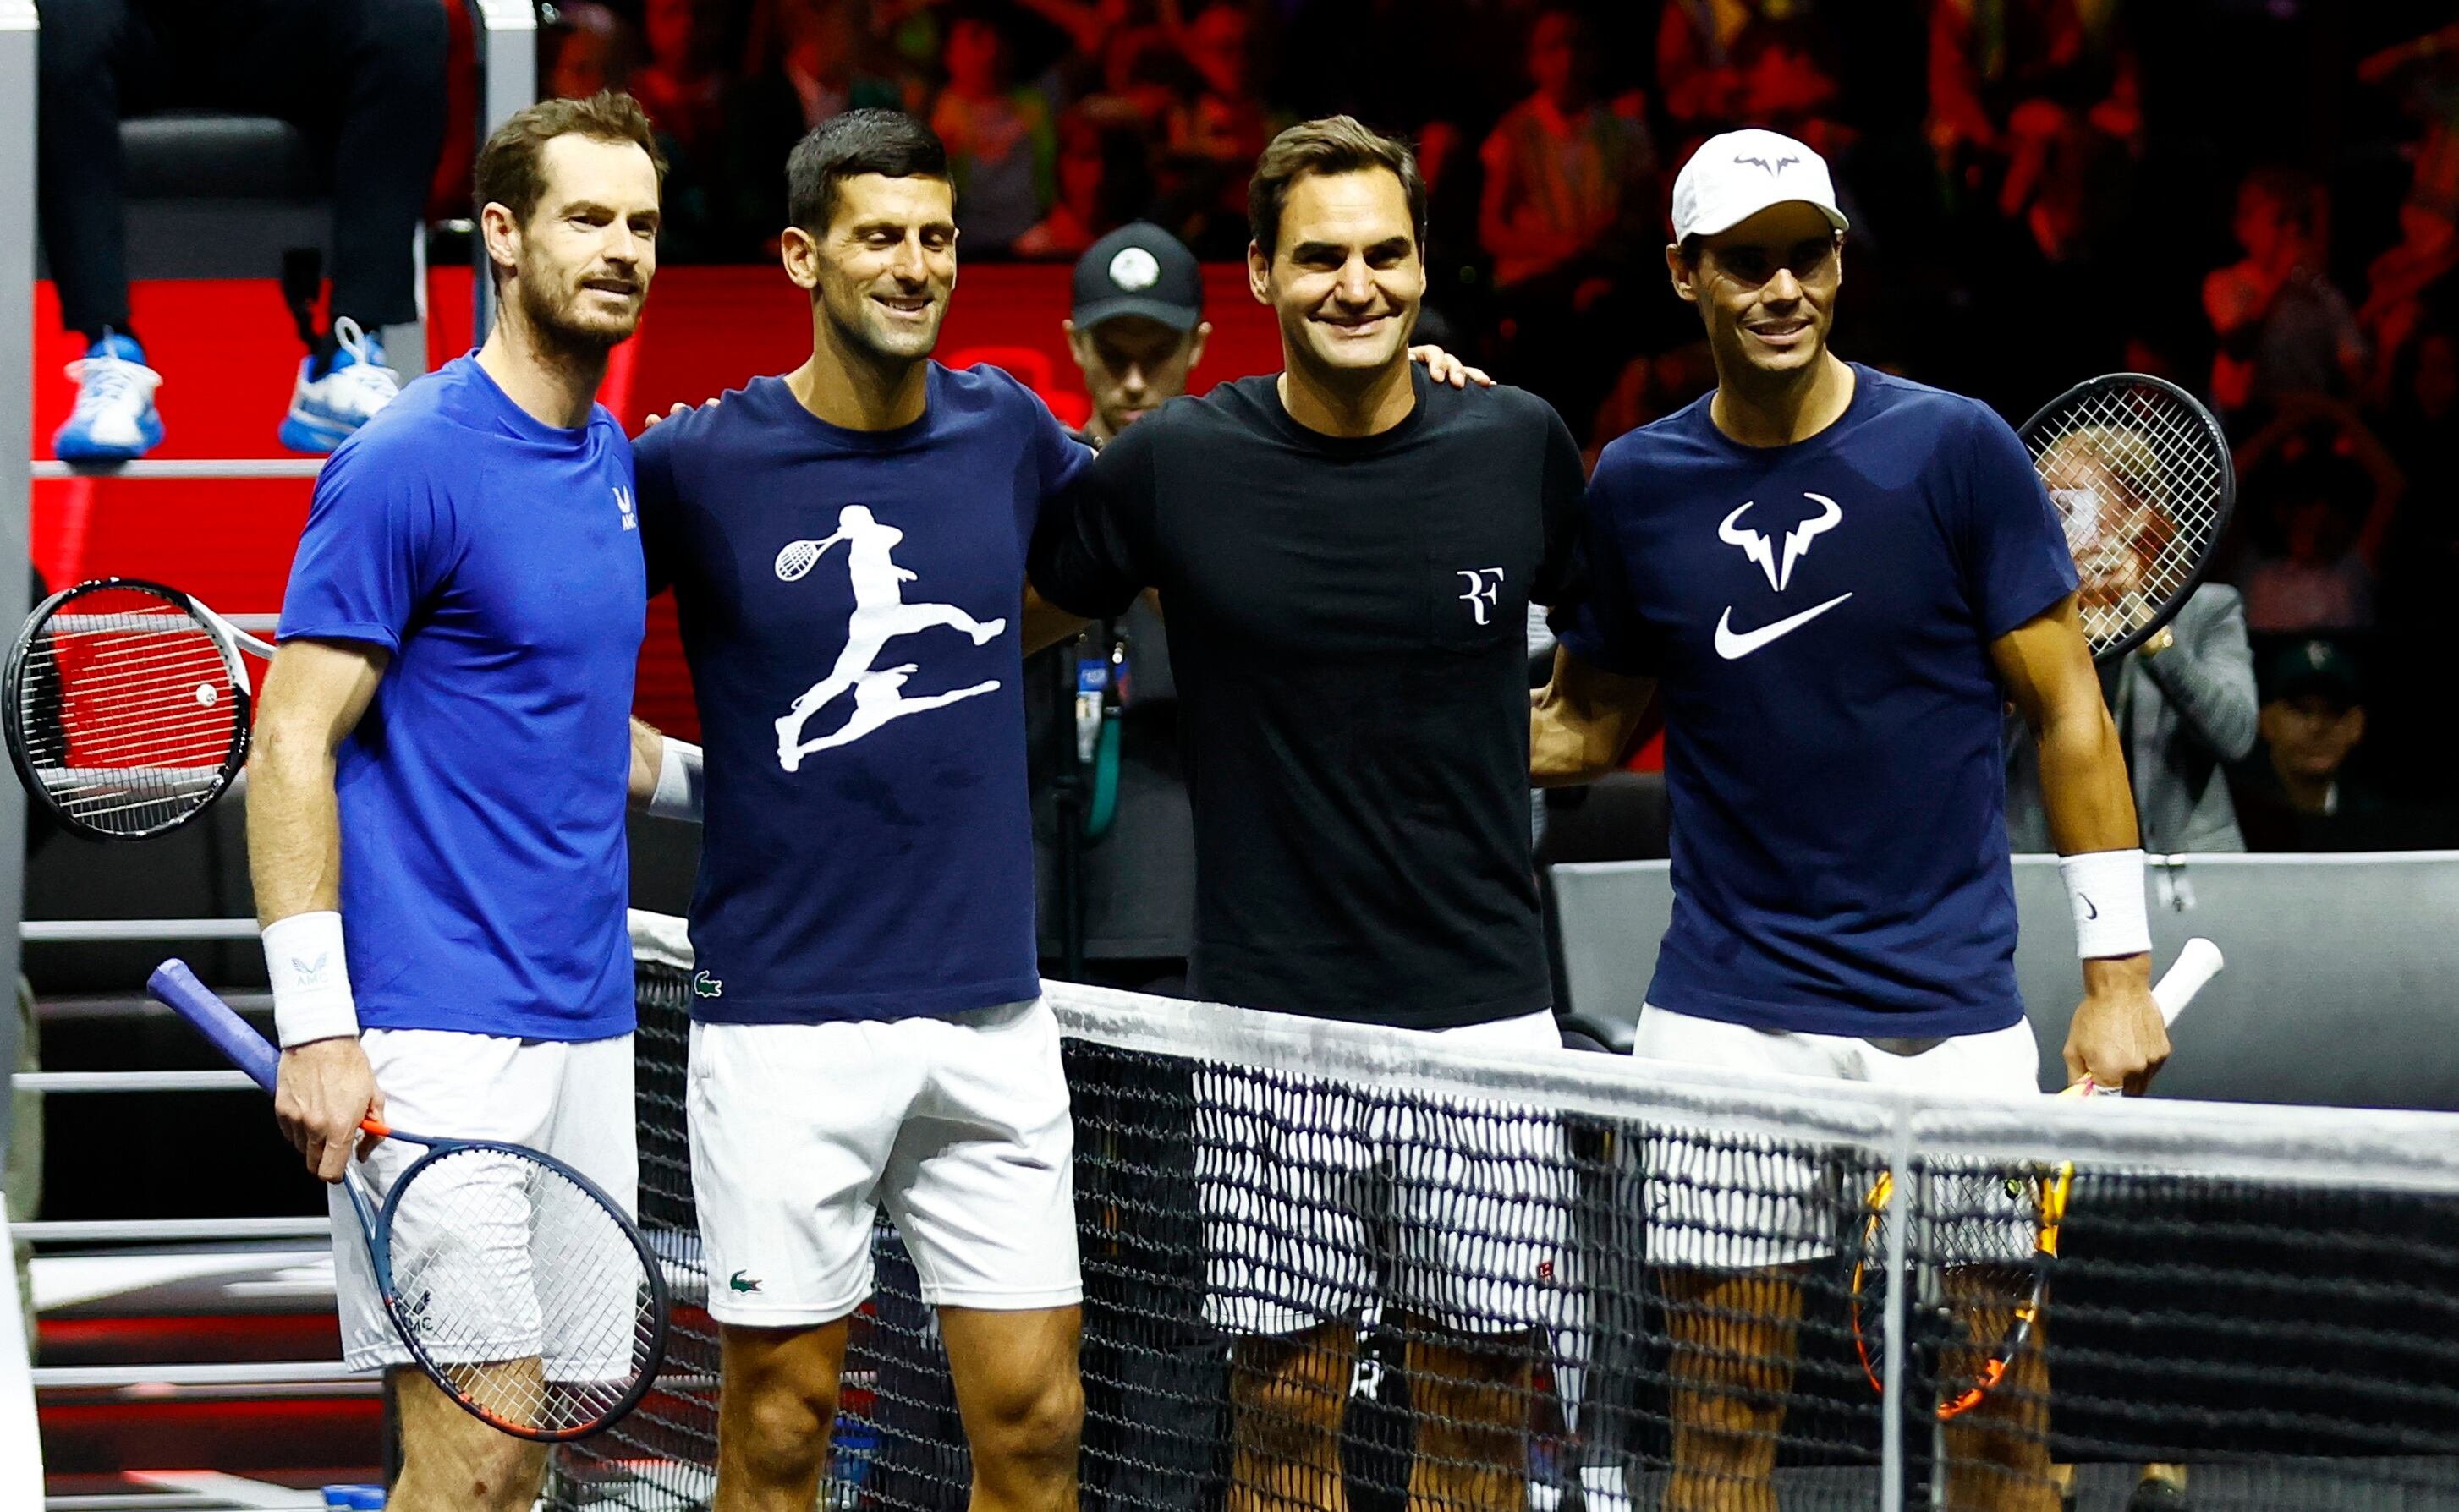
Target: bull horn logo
(1796, 540)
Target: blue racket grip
(176, 987)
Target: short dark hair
(887, 142)
(511, 169)
(1335, 145)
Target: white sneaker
(324, 411)
(115, 419)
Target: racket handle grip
(176, 987)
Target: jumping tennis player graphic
(880, 615)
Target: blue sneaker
(325, 407)
(115, 419)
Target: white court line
(255, 1495)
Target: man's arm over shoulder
(1090, 553)
(655, 466)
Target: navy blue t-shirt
(850, 603)
(1820, 617)
(496, 560)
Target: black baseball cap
(1138, 269)
(2314, 666)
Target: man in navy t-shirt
(1834, 578)
(441, 760)
(847, 547)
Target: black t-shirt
(1347, 629)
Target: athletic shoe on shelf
(115, 419)
(325, 407)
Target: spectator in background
(363, 78)
(2326, 494)
(1701, 45)
(1788, 85)
(2402, 284)
(2280, 324)
(2184, 706)
(590, 50)
(1102, 180)
(2042, 97)
(1216, 130)
(1566, 179)
(805, 61)
(2293, 793)
(1003, 145)
(1570, 188)
(676, 86)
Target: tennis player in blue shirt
(1834, 578)
(441, 753)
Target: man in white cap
(1835, 578)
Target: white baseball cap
(1734, 177)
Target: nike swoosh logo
(1733, 646)
(2091, 909)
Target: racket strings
(523, 1294)
(127, 708)
(2144, 486)
(1982, 1267)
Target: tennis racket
(125, 705)
(2141, 476)
(518, 1287)
(2002, 1230)
(796, 557)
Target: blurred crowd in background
(2255, 198)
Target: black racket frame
(12, 705)
(2224, 508)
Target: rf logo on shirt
(1735, 645)
(1485, 584)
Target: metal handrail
(248, 1373)
(185, 468)
(79, 931)
(133, 1082)
(167, 1231)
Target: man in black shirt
(1346, 553)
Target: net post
(1891, 1399)
(19, 121)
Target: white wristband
(678, 792)
(2105, 887)
(311, 981)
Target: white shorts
(569, 1099)
(959, 1126)
(1476, 1212)
(1734, 1203)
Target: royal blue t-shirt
(496, 560)
(849, 604)
(1819, 617)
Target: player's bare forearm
(2116, 1036)
(1045, 624)
(648, 755)
(314, 694)
(2046, 666)
(1584, 722)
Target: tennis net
(1335, 1266)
